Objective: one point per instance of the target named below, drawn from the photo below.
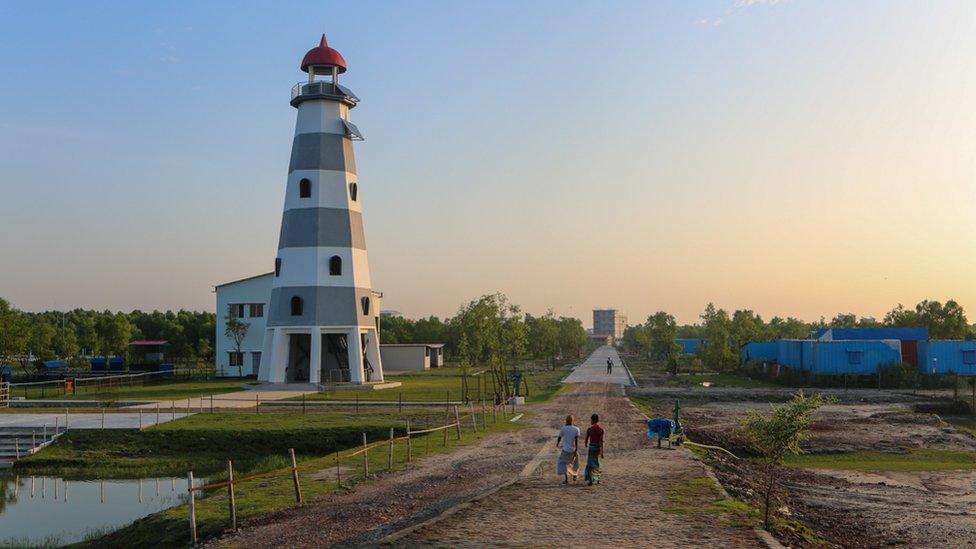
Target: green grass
(167, 390)
(697, 497)
(317, 473)
(203, 442)
(916, 459)
(441, 384)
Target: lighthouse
(323, 318)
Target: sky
(797, 158)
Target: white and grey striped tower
(323, 317)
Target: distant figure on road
(568, 444)
(609, 366)
(594, 452)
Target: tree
(717, 351)
(844, 320)
(14, 333)
(777, 434)
(746, 326)
(946, 321)
(397, 329)
(572, 336)
(237, 330)
(662, 330)
(789, 328)
(112, 333)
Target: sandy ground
(624, 510)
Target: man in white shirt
(568, 444)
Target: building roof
(908, 334)
(433, 345)
(323, 56)
(244, 279)
(148, 342)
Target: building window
(353, 191)
(304, 188)
(277, 266)
(235, 310)
(255, 310)
(335, 265)
(969, 356)
(235, 358)
(296, 306)
(365, 302)
(854, 357)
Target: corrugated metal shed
(854, 356)
(942, 356)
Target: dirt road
(628, 508)
(647, 496)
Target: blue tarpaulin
(660, 427)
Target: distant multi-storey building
(609, 322)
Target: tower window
(365, 302)
(277, 266)
(304, 188)
(353, 191)
(296, 306)
(335, 265)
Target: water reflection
(31, 512)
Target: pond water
(53, 511)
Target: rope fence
(389, 443)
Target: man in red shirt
(594, 444)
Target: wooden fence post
(232, 503)
(401, 402)
(294, 476)
(140, 418)
(103, 417)
(257, 403)
(65, 419)
(408, 441)
(474, 420)
(211, 403)
(193, 509)
(365, 457)
(389, 464)
(187, 406)
(457, 422)
(172, 408)
(157, 413)
(303, 404)
(484, 415)
(338, 476)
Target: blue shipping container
(943, 356)
(854, 356)
(766, 351)
(689, 346)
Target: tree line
(26, 337)
(491, 328)
(727, 333)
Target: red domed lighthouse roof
(323, 55)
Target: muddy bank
(853, 508)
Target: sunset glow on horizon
(796, 158)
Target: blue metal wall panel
(689, 346)
(767, 351)
(942, 356)
(854, 356)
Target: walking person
(594, 450)
(609, 366)
(568, 444)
